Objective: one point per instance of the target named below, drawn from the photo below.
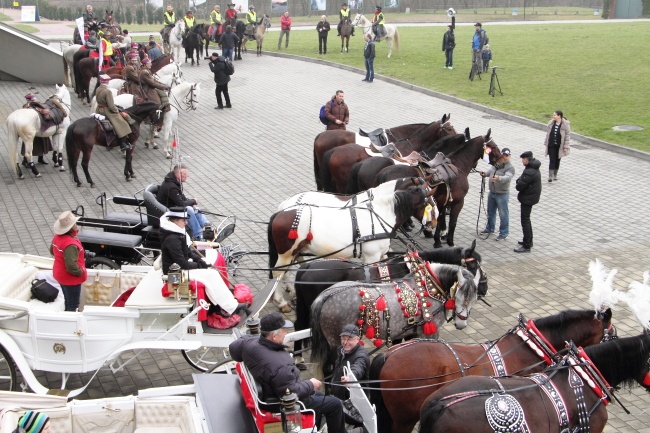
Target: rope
(481, 206)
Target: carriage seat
(18, 283)
(155, 209)
(377, 137)
(130, 218)
(113, 239)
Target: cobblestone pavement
(244, 161)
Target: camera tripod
(494, 82)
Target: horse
(208, 33)
(392, 35)
(327, 140)
(439, 363)
(392, 310)
(173, 69)
(194, 43)
(175, 40)
(162, 62)
(68, 62)
(76, 37)
(26, 123)
(260, 32)
(239, 28)
(464, 160)
(363, 174)
(346, 32)
(86, 132)
(113, 27)
(340, 230)
(87, 69)
(315, 277)
(568, 396)
(337, 163)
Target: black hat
(350, 331)
(478, 24)
(526, 154)
(215, 54)
(344, 4)
(177, 212)
(505, 151)
(273, 322)
(378, 7)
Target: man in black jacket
(228, 41)
(353, 352)
(218, 68)
(272, 366)
(171, 194)
(529, 186)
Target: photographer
(218, 68)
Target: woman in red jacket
(69, 259)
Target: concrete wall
(28, 58)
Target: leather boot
(550, 175)
(124, 144)
(41, 160)
(555, 175)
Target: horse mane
(621, 361)
(557, 324)
(442, 255)
(446, 272)
(403, 205)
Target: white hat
(66, 221)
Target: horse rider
(151, 89)
(189, 24)
(89, 16)
(106, 49)
(378, 24)
(152, 38)
(215, 22)
(169, 20)
(134, 48)
(106, 107)
(231, 15)
(91, 41)
(344, 15)
(251, 22)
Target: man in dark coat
(529, 186)
(273, 368)
(171, 194)
(106, 107)
(228, 41)
(323, 29)
(218, 68)
(337, 112)
(369, 57)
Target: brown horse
(570, 396)
(161, 62)
(86, 132)
(337, 163)
(404, 387)
(328, 140)
(346, 32)
(87, 69)
(114, 28)
(464, 160)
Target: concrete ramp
(28, 58)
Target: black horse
(239, 29)
(76, 37)
(194, 43)
(315, 277)
(84, 133)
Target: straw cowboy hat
(65, 222)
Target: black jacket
(218, 68)
(448, 41)
(170, 193)
(229, 39)
(369, 50)
(359, 363)
(529, 183)
(174, 249)
(325, 26)
(271, 366)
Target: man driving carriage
(215, 23)
(344, 15)
(89, 16)
(251, 22)
(106, 107)
(169, 20)
(378, 24)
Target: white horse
(25, 123)
(125, 100)
(116, 83)
(392, 35)
(173, 68)
(176, 39)
(68, 56)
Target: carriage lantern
(253, 326)
(290, 412)
(177, 283)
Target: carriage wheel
(101, 263)
(210, 359)
(8, 378)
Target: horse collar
(529, 333)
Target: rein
(188, 100)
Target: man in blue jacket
(478, 41)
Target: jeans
(227, 52)
(526, 226)
(222, 88)
(477, 57)
(196, 222)
(370, 70)
(554, 158)
(322, 43)
(449, 57)
(498, 202)
(71, 294)
(329, 406)
(286, 42)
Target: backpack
(229, 67)
(322, 116)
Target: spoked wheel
(101, 263)
(8, 378)
(209, 359)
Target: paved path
(246, 160)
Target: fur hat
(33, 422)
(273, 322)
(526, 154)
(64, 223)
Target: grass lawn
(595, 73)
(4, 17)
(26, 28)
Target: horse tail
(430, 412)
(66, 72)
(273, 251)
(396, 39)
(384, 420)
(12, 132)
(319, 187)
(320, 347)
(69, 147)
(325, 172)
(352, 186)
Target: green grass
(596, 73)
(25, 28)
(4, 17)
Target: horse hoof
(285, 309)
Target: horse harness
(356, 232)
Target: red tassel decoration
(380, 305)
(362, 307)
(370, 332)
(646, 379)
(293, 234)
(429, 328)
(450, 304)
(378, 342)
(360, 322)
(361, 293)
(398, 290)
(310, 236)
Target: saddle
(441, 169)
(50, 111)
(377, 137)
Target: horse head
(356, 20)
(63, 95)
(464, 297)
(491, 148)
(185, 96)
(471, 260)
(108, 17)
(266, 21)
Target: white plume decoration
(638, 299)
(602, 295)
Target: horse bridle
(188, 100)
